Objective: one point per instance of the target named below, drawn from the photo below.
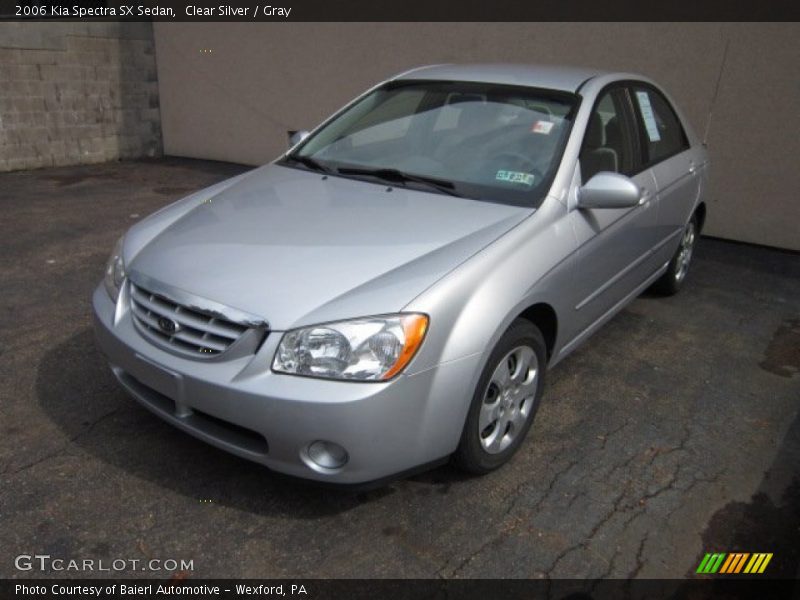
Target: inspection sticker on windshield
(515, 177)
(544, 127)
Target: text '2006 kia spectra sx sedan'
(391, 291)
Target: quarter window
(662, 133)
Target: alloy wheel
(508, 399)
(685, 252)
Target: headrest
(476, 114)
(594, 132)
(613, 133)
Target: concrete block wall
(77, 93)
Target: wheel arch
(700, 211)
(544, 316)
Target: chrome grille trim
(198, 334)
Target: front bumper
(241, 406)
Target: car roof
(563, 78)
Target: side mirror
(295, 137)
(609, 190)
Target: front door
(614, 244)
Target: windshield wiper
(395, 176)
(309, 162)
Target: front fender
(473, 305)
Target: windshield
(477, 140)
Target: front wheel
(672, 280)
(505, 401)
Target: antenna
(716, 89)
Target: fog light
(327, 454)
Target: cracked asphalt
(673, 431)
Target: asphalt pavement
(672, 432)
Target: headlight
(115, 271)
(369, 349)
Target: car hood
(295, 248)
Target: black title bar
(390, 589)
(282, 11)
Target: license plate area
(162, 380)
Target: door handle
(645, 197)
(692, 168)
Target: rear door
(666, 151)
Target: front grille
(184, 329)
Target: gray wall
(73, 93)
(259, 79)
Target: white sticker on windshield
(648, 116)
(515, 177)
(542, 127)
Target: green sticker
(515, 177)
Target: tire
(672, 280)
(505, 401)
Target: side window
(663, 135)
(608, 141)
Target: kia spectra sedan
(391, 292)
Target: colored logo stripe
(734, 563)
(711, 563)
(758, 563)
(721, 562)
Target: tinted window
(607, 143)
(662, 133)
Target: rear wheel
(505, 401)
(672, 280)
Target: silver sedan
(391, 292)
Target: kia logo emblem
(168, 326)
